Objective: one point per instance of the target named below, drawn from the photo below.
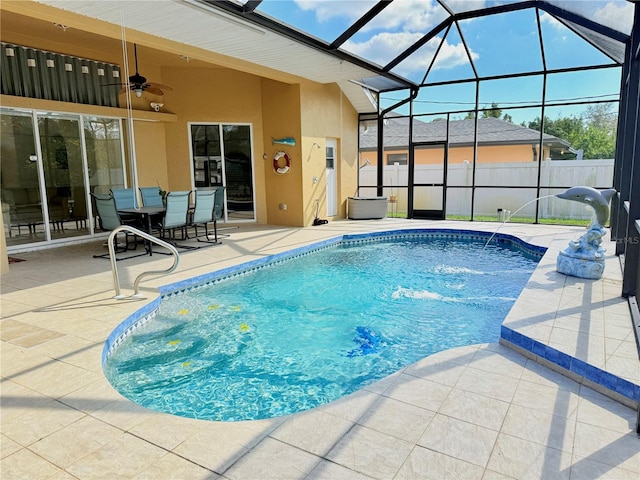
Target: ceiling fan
(138, 84)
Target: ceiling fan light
(138, 92)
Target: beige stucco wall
(210, 93)
(326, 114)
(281, 118)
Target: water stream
(512, 214)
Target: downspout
(380, 159)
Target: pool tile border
(607, 383)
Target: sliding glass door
(22, 213)
(63, 166)
(51, 162)
(222, 156)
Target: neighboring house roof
(491, 131)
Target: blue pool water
(304, 331)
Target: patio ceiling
(382, 45)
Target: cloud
(393, 30)
(618, 15)
(325, 10)
(551, 21)
(405, 15)
(382, 47)
(409, 16)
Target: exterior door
(332, 178)
(50, 164)
(428, 166)
(22, 212)
(222, 156)
(63, 166)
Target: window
(399, 158)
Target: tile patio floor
(477, 412)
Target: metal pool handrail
(136, 283)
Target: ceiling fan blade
(160, 86)
(153, 90)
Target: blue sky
(500, 44)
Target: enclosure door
(429, 180)
(332, 181)
(222, 156)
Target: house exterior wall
(486, 154)
(327, 114)
(210, 93)
(281, 118)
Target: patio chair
(109, 219)
(176, 215)
(204, 214)
(124, 198)
(151, 197)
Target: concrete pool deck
(483, 411)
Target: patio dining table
(145, 214)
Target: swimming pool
(303, 328)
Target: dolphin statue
(596, 199)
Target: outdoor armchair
(176, 215)
(204, 214)
(151, 197)
(109, 219)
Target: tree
(593, 131)
(495, 111)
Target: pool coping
(607, 383)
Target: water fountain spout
(508, 215)
(584, 258)
(598, 200)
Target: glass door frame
(220, 125)
(434, 214)
(35, 114)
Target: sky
(500, 44)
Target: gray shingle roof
(491, 131)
